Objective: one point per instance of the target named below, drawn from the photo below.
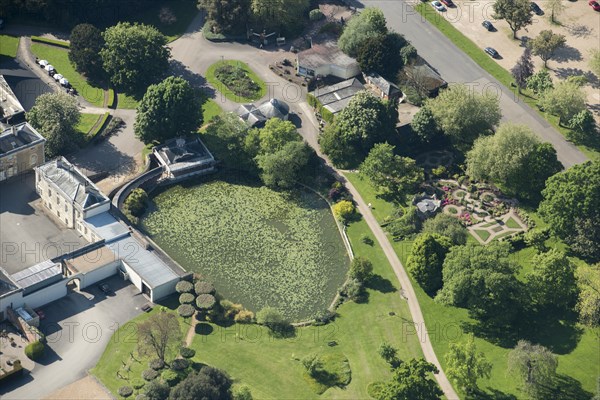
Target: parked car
(438, 6)
(50, 69)
(104, 288)
(64, 82)
(492, 52)
(58, 77)
(488, 25)
(42, 63)
(535, 8)
(448, 3)
(595, 5)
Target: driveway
(78, 328)
(456, 67)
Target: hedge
(202, 287)
(170, 377)
(184, 287)
(186, 298)
(51, 42)
(205, 301)
(125, 391)
(35, 350)
(315, 103)
(99, 127)
(186, 352)
(186, 310)
(156, 364)
(149, 374)
(179, 364)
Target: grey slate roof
(254, 115)
(183, 153)
(388, 88)
(325, 53)
(10, 107)
(336, 97)
(76, 186)
(7, 285)
(18, 137)
(153, 271)
(37, 273)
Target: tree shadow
(177, 68)
(565, 388)
(567, 53)
(204, 329)
(381, 284)
(579, 30)
(564, 73)
(490, 394)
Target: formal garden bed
(282, 250)
(236, 81)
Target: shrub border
(51, 42)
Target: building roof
(426, 75)
(107, 227)
(76, 186)
(336, 97)
(37, 273)
(428, 205)
(91, 260)
(183, 153)
(11, 110)
(272, 108)
(153, 271)
(18, 137)
(325, 53)
(7, 285)
(387, 88)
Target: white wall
(97, 210)
(133, 276)
(164, 290)
(98, 274)
(47, 294)
(14, 300)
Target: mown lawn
(210, 109)
(8, 46)
(270, 367)
(59, 58)
(228, 92)
(86, 123)
(183, 10)
(126, 101)
(492, 67)
(380, 207)
(577, 348)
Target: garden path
(499, 227)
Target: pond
(259, 247)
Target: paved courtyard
(28, 235)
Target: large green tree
(159, 335)
(464, 115)
(390, 173)
(134, 56)
(516, 13)
(169, 109)
(552, 283)
(272, 137)
(55, 116)
(86, 43)
(227, 135)
(426, 260)
(208, 383)
(535, 366)
(448, 226)
(540, 82)
(423, 124)
(546, 43)
(412, 381)
(229, 16)
(514, 158)
(368, 24)
(381, 54)
(465, 365)
(523, 69)
(570, 198)
(286, 166)
(566, 99)
(282, 15)
(588, 302)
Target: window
(85, 230)
(66, 221)
(58, 213)
(66, 208)
(49, 193)
(57, 200)
(78, 214)
(33, 160)
(50, 206)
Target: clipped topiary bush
(170, 377)
(186, 352)
(186, 310)
(35, 350)
(149, 374)
(156, 364)
(184, 287)
(205, 301)
(186, 298)
(125, 391)
(179, 364)
(203, 287)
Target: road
(456, 67)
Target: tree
(134, 56)
(556, 8)
(280, 15)
(594, 62)
(412, 381)
(271, 138)
(55, 116)
(84, 51)
(313, 365)
(585, 241)
(137, 202)
(426, 260)
(588, 303)
(465, 365)
(369, 23)
(230, 16)
(423, 124)
(540, 82)
(157, 390)
(284, 168)
(523, 69)
(343, 210)
(536, 238)
(570, 197)
(584, 129)
(482, 279)
(160, 334)
(229, 134)
(361, 269)
(391, 174)
(208, 383)
(546, 43)
(552, 283)
(389, 354)
(242, 392)
(516, 13)
(566, 100)
(381, 54)
(272, 319)
(168, 109)
(514, 158)
(448, 226)
(464, 115)
(534, 365)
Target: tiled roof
(17, 137)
